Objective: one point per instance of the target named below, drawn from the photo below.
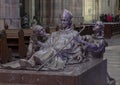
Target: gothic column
(58, 10)
(31, 9)
(48, 11)
(52, 12)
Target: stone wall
(9, 13)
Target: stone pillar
(48, 11)
(108, 7)
(117, 7)
(57, 11)
(31, 9)
(43, 12)
(89, 10)
(114, 6)
(52, 12)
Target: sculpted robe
(54, 44)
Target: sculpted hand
(39, 44)
(78, 39)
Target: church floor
(113, 56)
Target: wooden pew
(27, 34)
(5, 52)
(15, 40)
(115, 29)
(87, 31)
(52, 29)
(111, 29)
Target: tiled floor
(113, 56)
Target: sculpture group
(65, 46)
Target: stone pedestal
(92, 72)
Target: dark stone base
(92, 72)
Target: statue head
(66, 18)
(99, 29)
(39, 30)
(98, 26)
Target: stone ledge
(92, 72)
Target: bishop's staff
(41, 66)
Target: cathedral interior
(17, 20)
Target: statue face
(40, 32)
(66, 19)
(64, 22)
(96, 28)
